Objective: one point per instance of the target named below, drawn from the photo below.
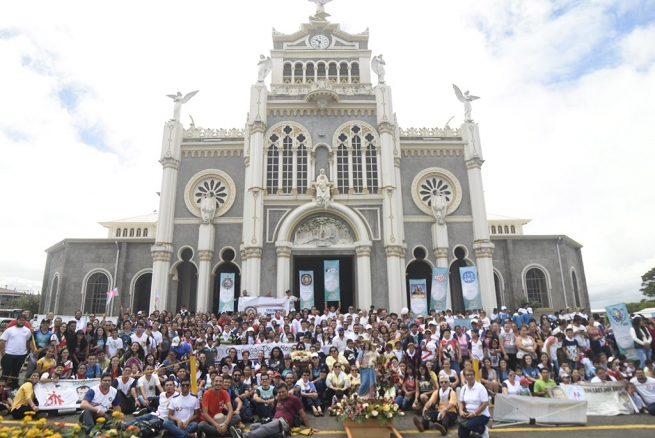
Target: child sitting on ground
(636, 398)
(5, 397)
(338, 396)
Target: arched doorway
(227, 266)
(456, 296)
(187, 284)
(419, 269)
(498, 288)
(576, 293)
(142, 293)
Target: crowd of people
(449, 373)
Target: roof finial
(320, 15)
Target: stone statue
(439, 206)
(320, 9)
(322, 188)
(466, 99)
(207, 208)
(377, 65)
(265, 66)
(179, 101)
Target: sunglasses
(185, 384)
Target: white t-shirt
(184, 406)
(477, 350)
(149, 387)
(102, 400)
(512, 389)
(474, 397)
(158, 337)
(16, 340)
(646, 390)
(597, 379)
(113, 345)
(143, 341)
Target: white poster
(264, 305)
(226, 301)
(223, 350)
(65, 394)
(603, 399)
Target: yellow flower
(57, 435)
(386, 408)
(101, 420)
(27, 418)
(117, 414)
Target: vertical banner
(332, 288)
(439, 289)
(418, 295)
(620, 320)
(470, 288)
(306, 289)
(226, 299)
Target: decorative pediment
(323, 231)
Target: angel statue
(179, 101)
(320, 9)
(207, 208)
(377, 65)
(466, 99)
(322, 188)
(439, 206)
(265, 65)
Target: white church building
(321, 171)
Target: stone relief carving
(430, 132)
(200, 132)
(323, 231)
(322, 84)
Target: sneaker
(419, 424)
(440, 428)
(235, 433)
(140, 412)
(485, 434)
(191, 435)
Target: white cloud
(564, 114)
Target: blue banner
(331, 280)
(462, 322)
(226, 296)
(621, 324)
(306, 289)
(470, 288)
(418, 297)
(439, 293)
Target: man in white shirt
(114, 344)
(339, 341)
(141, 338)
(97, 401)
(183, 412)
(158, 418)
(147, 387)
(14, 344)
(602, 377)
(646, 389)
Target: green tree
(27, 301)
(648, 284)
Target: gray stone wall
(317, 125)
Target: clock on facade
(320, 42)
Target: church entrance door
(142, 293)
(315, 263)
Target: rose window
(432, 186)
(213, 188)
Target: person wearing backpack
(441, 409)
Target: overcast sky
(566, 114)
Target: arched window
(500, 229)
(344, 73)
(342, 168)
(287, 160)
(499, 290)
(506, 229)
(97, 287)
(118, 232)
(298, 73)
(53, 294)
(576, 293)
(138, 232)
(311, 72)
(513, 229)
(354, 67)
(493, 229)
(536, 286)
(124, 232)
(131, 232)
(357, 159)
(321, 71)
(145, 232)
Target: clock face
(320, 42)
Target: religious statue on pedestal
(466, 99)
(207, 208)
(377, 65)
(320, 15)
(439, 206)
(265, 66)
(179, 101)
(322, 188)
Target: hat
(250, 329)
(314, 355)
(276, 375)
(503, 308)
(524, 381)
(176, 341)
(564, 375)
(410, 343)
(522, 310)
(44, 321)
(474, 321)
(404, 311)
(448, 310)
(375, 311)
(340, 328)
(369, 326)
(219, 418)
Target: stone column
(162, 250)
(283, 250)
(206, 239)
(364, 292)
(397, 298)
(482, 246)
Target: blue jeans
(320, 386)
(172, 428)
(476, 424)
(643, 356)
(651, 408)
(407, 402)
(264, 411)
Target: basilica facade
(321, 171)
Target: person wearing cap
(15, 343)
(440, 409)
(525, 387)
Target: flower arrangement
(386, 375)
(382, 409)
(30, 428)
(301, 356)
(113, 428)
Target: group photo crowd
(189, 373)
